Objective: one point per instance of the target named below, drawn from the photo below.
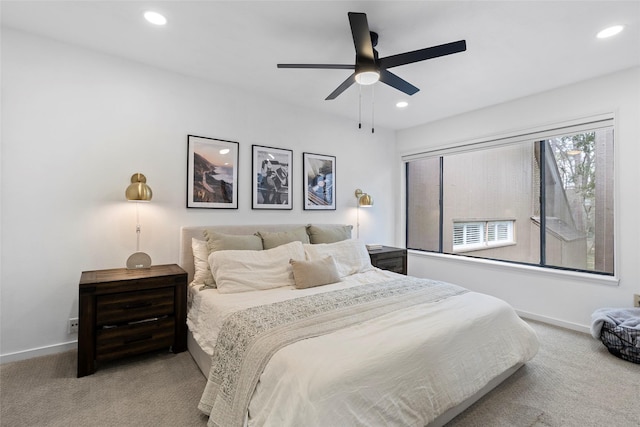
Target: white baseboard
(555, 322)
(36, 352)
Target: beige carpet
(573, 381)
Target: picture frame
(271, 184)
(319, 174)
(212, 173)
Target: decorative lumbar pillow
(308, 274)
(202, 272)
(351, 256)
(328, 233)
(243, 271)
(224, 242)
(271, 240)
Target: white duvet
(402, 369)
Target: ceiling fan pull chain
(359, 107)
(373, 103)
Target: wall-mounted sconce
(138, 191)
(364, 201)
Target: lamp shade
(366, 78)
(365, 201)
(138, 190)
(367, 73)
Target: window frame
(533, 135)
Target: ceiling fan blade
(322, 66)
(345, 84)
(396, 82)
(423, 54)
(361, 36)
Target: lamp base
(138, 260)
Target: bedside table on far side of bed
(125, 312)
(389, 258)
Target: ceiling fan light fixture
(367, 77)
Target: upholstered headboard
(187, 233)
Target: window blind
(536, 134)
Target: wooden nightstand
(124, 312)
(388, 258)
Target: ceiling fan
(368, 68)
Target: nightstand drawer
(136, 305)
(389, 258)
(116, 342)
(391, 264)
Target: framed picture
(319, 173)
(271, 185)
(212, 173)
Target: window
(467, 234)
(545, 198)
(470, 236)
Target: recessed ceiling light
(402, 104)
(609, 32)
(155, 18)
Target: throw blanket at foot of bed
(250, 337)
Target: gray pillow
(222, 242)
(271, 240)
(328, 233)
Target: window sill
(507, 266)
(483, 247)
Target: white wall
(566, 299)
(76, 124)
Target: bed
(372, 348)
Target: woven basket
(621, 342)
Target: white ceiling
(514, 48)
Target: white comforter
(401, 369)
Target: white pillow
(202, 272)
(243, 270)
(351, 255)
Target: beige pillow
(271, 240)
(202, 272)
(224, 242)
(328, 233)
(308, 274)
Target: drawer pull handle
(138, 305)
(138, 338)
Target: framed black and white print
(319, 173)
(271, 187)
(212, 173)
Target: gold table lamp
(138, 191)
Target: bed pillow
(308, 274)
(202, 272)
(224, 242)
(351, 256)
(271, 240)
(242, 271)
(328, 233)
